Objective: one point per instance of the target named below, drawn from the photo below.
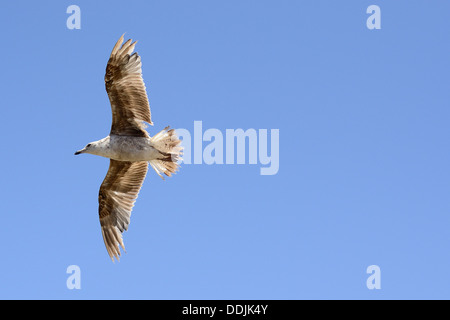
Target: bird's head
(96, 147)
(87, 149)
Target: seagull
(128, 146)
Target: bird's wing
(126, 91)
(116, 198)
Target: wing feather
(116, 198)
(126, 91)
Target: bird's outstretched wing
(116, 198)
(126, 91)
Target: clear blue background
(364, 157)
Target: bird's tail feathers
(167, 143)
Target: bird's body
(128, 146)
(125, 148)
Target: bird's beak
(79, 152)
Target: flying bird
(128, 145)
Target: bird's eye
(88, 145)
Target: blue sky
(363, 176)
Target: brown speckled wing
(116, 198)
(126, 91)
